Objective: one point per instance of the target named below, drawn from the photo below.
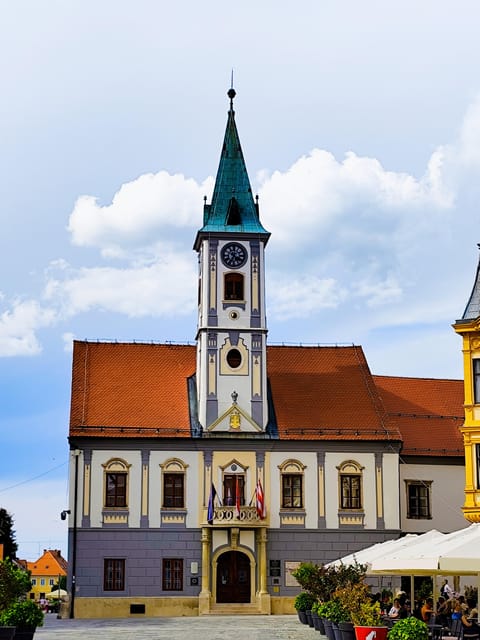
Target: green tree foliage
(322, 581)
(409, 629)
(7, 535)
(62, 584)
(14, 583)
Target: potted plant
(303, 603)
(365, 614)
(409, 629)
(317, 620)
(333, 613)
(14, 584)
(26, 616)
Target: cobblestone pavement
(200, 628)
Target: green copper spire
(232, 209)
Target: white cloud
(166, 287)
(68, 339)
(18, 326)
(298, 297)
(347, 234)
(152, 206)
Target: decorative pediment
(235, 420)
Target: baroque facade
(201, 475)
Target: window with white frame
(419, 499)
(350, 486)
(173, 484)
(116, 475)
(292, 484)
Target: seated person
(470, 621)
(395, 610)
(427, 610)
(458, 611)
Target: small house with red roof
(202, 475)
(46, 573)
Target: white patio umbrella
(58, 593)
(373, 552)
(418, 558)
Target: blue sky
(360, 125)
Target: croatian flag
(211, 500)
(237, 498)
(260, 499)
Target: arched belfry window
(234, 286)
(233, 213)
(350, 476)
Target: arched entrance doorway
(233, 577)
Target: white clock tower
(231, 373)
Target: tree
(7, 535)
(62, 584)
(14, 583)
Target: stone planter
(24, 633)
(302, 616)
(7, 633)
(309, 618)
(317, 622)
(328, 629)
(337, 634)
(347, 630)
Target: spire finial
(231, 93)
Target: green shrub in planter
(23, 614)
(409, 629)
(334, 610)
(304, 601)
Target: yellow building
(469, 328)
(46, 573)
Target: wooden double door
(233, 577)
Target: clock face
(234, 255)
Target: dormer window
(233, 213)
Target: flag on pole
(237, 497)
(260, 499)
(211, 500)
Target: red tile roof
(325, 393)
(427, 411)
(51, 563)
(319, 393)
(135, 387)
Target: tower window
(234, 358)
(233, 286)
(476, 380)
(477, 452)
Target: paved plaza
(199, 628)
